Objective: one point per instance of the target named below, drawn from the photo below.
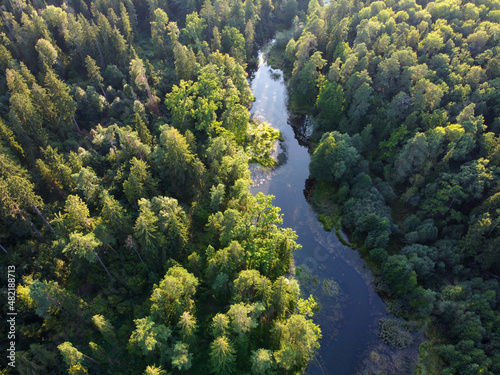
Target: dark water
(333, 272)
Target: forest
(129, 235)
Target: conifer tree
(222, 357)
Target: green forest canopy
(125, 142)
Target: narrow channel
(331, 271)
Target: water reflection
(302, 126)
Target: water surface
(334, 273)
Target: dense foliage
(406, 97)
(124, 193)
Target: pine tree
(94, 73)
(222, 359)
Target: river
(331, 271)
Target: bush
(395, 332)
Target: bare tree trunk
(3, 248)
(58, 305)
(77, 127)
(36, 230)
(141, 259)
(114, 251)
(492, 228)
(92, 359)
(495, 276)
(41, 216)
(102, 264)
(103, 92)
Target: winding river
(334, 273)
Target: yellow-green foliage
(261, 143)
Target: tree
(70, 354)
(64, 104)
(330, 102)
(173, 224)
(399, 275)
(150, 337)
(138, 74)
(427, 95)
(181, 357)
(174, 295)
(251, 286)
(159, 31)
(262, 361)
(192, 34)
(17, 194)
(298, 339)
(208, 13)
(113, 215)
(125, 24)
(47, 53)
(9, 139)
(249, 36)
(180, 101)
(268, 248)
(216, 40)
(139, 182)
(360, 103)
(305, 46)
(447, 193)
(233, 43)
(154, 370)
(412, 156)
(236, 119)
(54, 169)
(23, 113)
(477, 42)
(87, 181)
(45, 294)
(187, 327)
(242, 317)
(217, 197)
(36, 360)
(304, 80)
(222, 356)
(185, 60)
(140, 125)
(146, 232)
(333, 158)
(84, 246)
(290, 9)
(432, 43)
(105, 327)
(179, 168)
(284, 297)
(76, 217)
(228, 260)
(220, 325)
(94, 73)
